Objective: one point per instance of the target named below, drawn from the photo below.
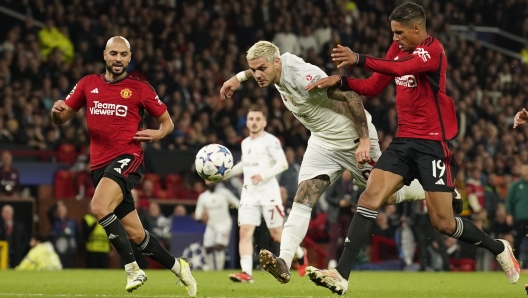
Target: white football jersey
(217, 206)
(329, 121)
(258, 156)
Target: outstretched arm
(359, 118)
(232, 84)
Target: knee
(219, 247)
(370, 200)
(444, 225)
(245, 235)
(136, 235)
(275, 236)
(98, 209)
(209, 250)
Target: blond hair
(264, 49)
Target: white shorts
(217, 235)
(252, 215)
(320, 161)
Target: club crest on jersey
(406, 81)
(126, 93)
(308, 77)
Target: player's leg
(318, 170)
(108, 195)
(436, 166)
(415, 192)
(222, 236)
(441, 214)
(208, 243)
(274, 216)
(147, 243)
(249, 217)
(390, 173)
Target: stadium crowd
(187, 49)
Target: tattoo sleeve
(309, 191)
(355, 105)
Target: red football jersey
(424, 110)
(114, 111)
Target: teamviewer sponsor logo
(406, 81)
(109, 109)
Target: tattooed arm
(359, 118)
(232, 84)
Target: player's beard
(256, 130)
(211, 187)
(116, 74)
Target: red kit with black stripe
(114, 113)
(424, 110)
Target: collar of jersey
(116, 81)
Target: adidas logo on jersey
(440, 182)
(119, 171)
(95, 91)
(347, 240)
(112, 236)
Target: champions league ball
(213, 162)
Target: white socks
(132, 266)
(209, 262)
(299, 253)
(294, 231)
(176, 268)
(246, 263)
(220, 259)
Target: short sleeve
(308, 74)
(151, 102)
(77, 98)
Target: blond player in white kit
(262, 160)
(213, 209)
(342, 137)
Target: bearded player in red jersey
(115, 102)
(426, 123)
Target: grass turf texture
(111, 283)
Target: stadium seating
(66, 153)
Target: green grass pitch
(111, 283)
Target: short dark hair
(407, 12)
(38, 236)
(257, 108)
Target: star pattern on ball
(221, 169)
(223, 150)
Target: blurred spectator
(492, 196)
(51, 38)
(179, 210)
(41, 256)
(84, 183)
(517, 209)
(159, 224)
(475, 191)
(287, 41)
(64, 233)
(289, 178)
(9, 177)
(96, 242)
(14, 233)
(341, 197)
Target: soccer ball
(213, 162)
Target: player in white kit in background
(262, 160)
(213, 209)
(342, 137)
